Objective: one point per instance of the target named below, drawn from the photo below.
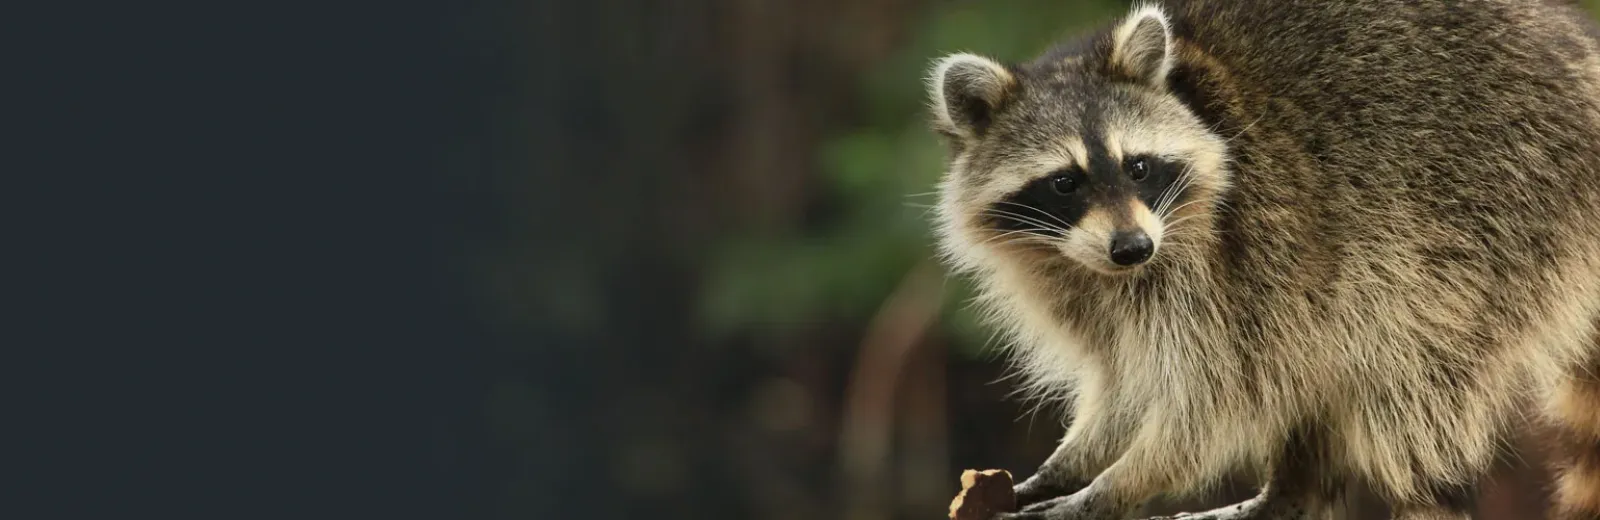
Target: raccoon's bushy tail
(1576, 413)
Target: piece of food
(984, 494)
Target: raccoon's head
(1085, 155)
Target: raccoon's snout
(1130, 248)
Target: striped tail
(1576, 413)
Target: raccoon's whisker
(1183, 241)
(1174, 224)
(1174, 232)
(1185, 232)
(1171, 193)
(1169, 209)
(1012, 214)
(1026, 235)
(1020, 218)
(1037, 227)
(1031, 239)
(1057, 220)
(926, 208)
(1174, 191)
(1025, 219)
(1245, 129)
(1034, 241)
(1025, 232)
(1165, 209)
(1183, 182)
(1174, 211)
(1064, 224)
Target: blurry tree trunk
(885, 354)
(925, 474)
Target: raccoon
(1326, 243)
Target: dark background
(498, 259)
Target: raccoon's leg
(1094, 440)
(1117, 491)
(1154, 462)
(1302, 487)
(1455, 499)
(1575, 410)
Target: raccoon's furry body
(1372, 232)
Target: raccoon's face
(1079, 156)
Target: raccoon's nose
(1129, 248)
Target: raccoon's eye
(1139, 168)
(1063, 184)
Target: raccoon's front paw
(1262, 507)
(1039, 489)
(1077, 506)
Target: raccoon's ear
(965, 90)
(1141, 47)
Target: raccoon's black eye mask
(1056, 202)
(1050, 204)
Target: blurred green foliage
(881, 176)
